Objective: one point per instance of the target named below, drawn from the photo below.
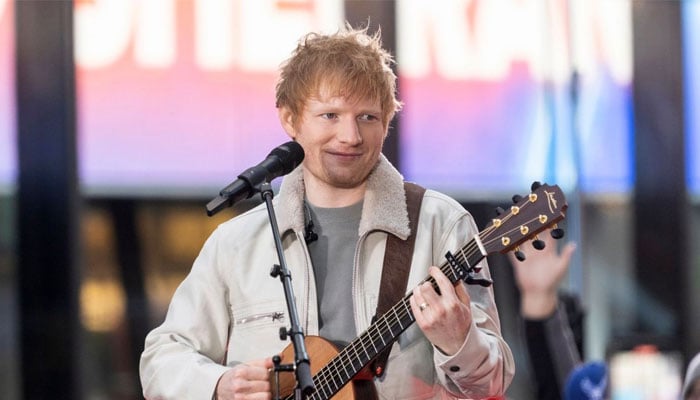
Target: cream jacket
(229, 310)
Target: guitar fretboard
(384, 331)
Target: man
(335, 97)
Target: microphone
(309, 235)
(281, 161)
(588, 381)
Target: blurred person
(335, 97)
(691, 383)
(552, 319)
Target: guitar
(543, 208)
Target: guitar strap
(397, 265)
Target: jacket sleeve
(484, 365)
(180, 356)
(553, 352)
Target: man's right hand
(246, 381)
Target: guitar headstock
(543, 208)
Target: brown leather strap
(397, 264)
(364, 389)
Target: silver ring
(423, 306)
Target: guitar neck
(384, 331)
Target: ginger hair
(349, 63)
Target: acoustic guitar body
(321, 352)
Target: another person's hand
(538, 277)
(246, 381)
(444, 318)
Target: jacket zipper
(273, 316)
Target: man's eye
(329, 115)
(368, 117)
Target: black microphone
(281, 161)
(309, 235)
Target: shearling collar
(384, 205)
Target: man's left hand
(444, 318)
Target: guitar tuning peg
(517, 198)
(557, 233)
(499, 210)
(538, 244)
(535, 185)
(519, 254)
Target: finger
(462, 294)
(430, 297)
(426, 300)
(444, 284)
(417, 301)
(263, 362)
(259, 387)
(567, 252)
(257, 370)
(251, 387)
(415, 309)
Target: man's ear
(287, 121)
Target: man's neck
(322, 195)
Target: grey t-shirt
(333, 258)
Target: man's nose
(349, 132)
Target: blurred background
(121, 119)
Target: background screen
(177, 97)
(8, 155)
(499, 94)
(691, 42)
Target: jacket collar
(384, 205)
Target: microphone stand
(301, 367)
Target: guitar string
(326, 375)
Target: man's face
(342, 139)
